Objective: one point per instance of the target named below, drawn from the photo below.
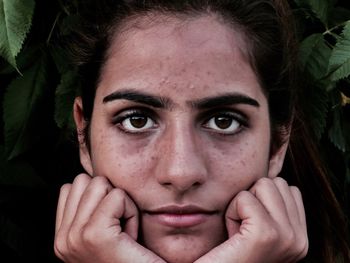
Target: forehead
(198, 51)
(202, 32)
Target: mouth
(175, 216)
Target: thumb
(241, 222)
(232, 221)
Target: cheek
(126, 164)
(237, 166)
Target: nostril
(196, 184)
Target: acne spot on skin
(191, 86)
(254, 154)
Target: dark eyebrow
(224, 100)
(140, 97)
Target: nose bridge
(182, 165)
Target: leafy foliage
(20, 103)
(15, 21)
(314, 56)
(339, 63)
(36, 152)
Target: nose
(182, 165)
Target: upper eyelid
(214, 112)
(135, 110)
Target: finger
(268, 194)
(65, 189)
(289, 200)
(300, 206)
(113, 209)
(241, 246)
(94, 193)
(303, 237)
(77, 189)
(105, 226)
(245, 209)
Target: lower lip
(180, 220)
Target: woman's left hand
(265, 224)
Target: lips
(180, 216)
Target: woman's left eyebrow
(224, 100)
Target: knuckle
(81, 178)
(100, 184)
(289, 239)
(242, 195)
(295, 190)
(117, 193)
(269, 236)
(303, 247)
(263, 182)
(65, 187)
(100, 180)
(73, 241)
(242, 198)
(280, 181)
(60, 246)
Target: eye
(134, 121)
(226, 123)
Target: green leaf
(15, 21)
(64, 100)
(316, 100)
(336, 132)
(339, 62)
(20, 110)
(320, 8)
(24, 60)
(66, 90)
(314, 56)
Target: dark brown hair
(267, 27)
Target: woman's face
(180, 122)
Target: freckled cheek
(237, 168)
(126, 165)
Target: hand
(97, 223)
(265, 224)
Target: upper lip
(181, 209)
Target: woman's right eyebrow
(139, 97)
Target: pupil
(223, 122)
(138, 121)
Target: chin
(183, 248)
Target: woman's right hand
(97, 223)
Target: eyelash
(234, 115)
(123, 115)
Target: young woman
(188, 122)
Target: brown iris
(223, 122)
(138, 121)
